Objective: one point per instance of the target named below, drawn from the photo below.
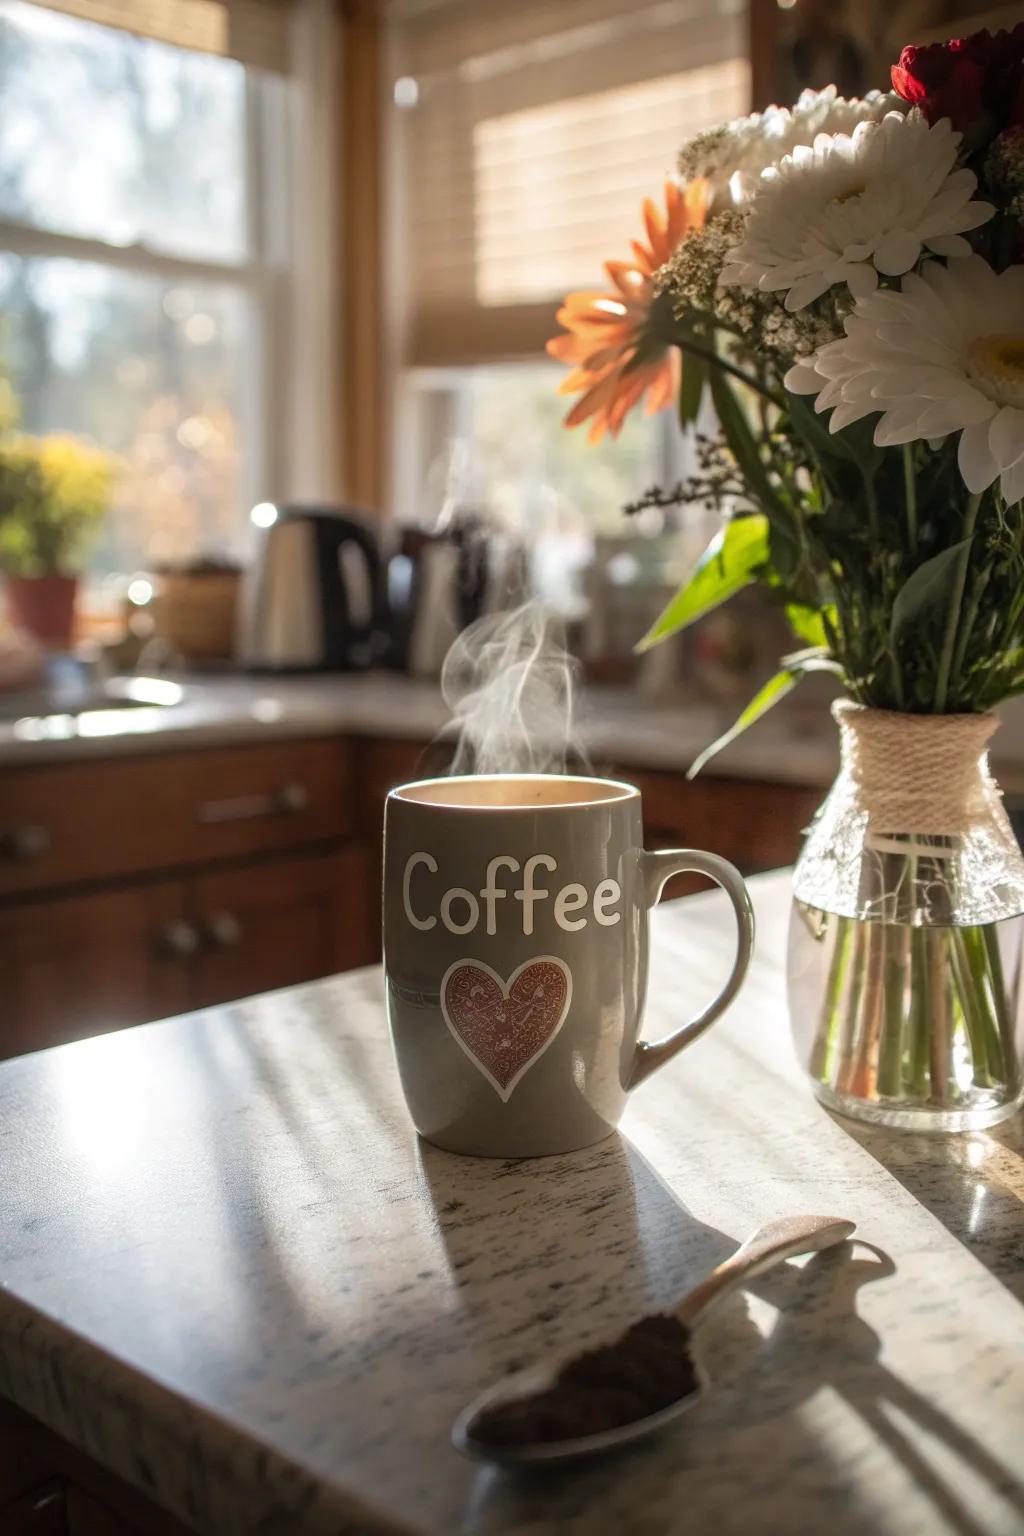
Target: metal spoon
(766, 1247)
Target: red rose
(1006, 77)
(967, 79)
(943, 79)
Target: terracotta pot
(44, 606)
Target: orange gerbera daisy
(616, 341)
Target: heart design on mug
(504, 1026)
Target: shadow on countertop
(973, 1183)
(652, 1249)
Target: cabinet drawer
(93, 820)
(81, 965)
(756, 826)
(283, 922)
(40, 1513)
(62, 1492)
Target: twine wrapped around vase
(918, 775)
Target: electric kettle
(313, 599)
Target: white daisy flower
(853, 205)
(945, 354)
(733, 156)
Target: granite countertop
(232, 1276)
(614, 724)
(795, 744)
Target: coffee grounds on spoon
(645, 1370)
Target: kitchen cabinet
(79, 965)
(135, 887)
(43, 1512)
(85, 963)
(49, 1488)
(103, 818)
(282, 923)
(755, 826)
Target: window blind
(256, 32)
(526, 136)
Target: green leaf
(815, 433)
(1010, 690)
(727, 565)
(808, 624)
(927, 588)
(743, 445)
(783, 551)
(695, 376)
(765, 699)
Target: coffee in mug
(515, 951)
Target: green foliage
(925, 590)
(691, 393)
(813, 429)
(815, 627)
(8, 405)
(743, 445)
(730, 562)
(765, 699)
(54, 494)
(895, 579)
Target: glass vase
(906, 940)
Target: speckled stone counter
(231, 1275)
(612, 724)
(796, 743)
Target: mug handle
(655, 869)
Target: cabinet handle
(286, 801)
(179, 938)
(223, 930)
(20, 844)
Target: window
(524, 140)
(493, 440)
(490, 441)
(136, 271)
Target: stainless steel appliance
(313, 600)
(441, 583)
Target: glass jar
(906, 940)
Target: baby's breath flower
(1004, 165)
(707, 152)
(792, 335)
(691, 280)
(691, 274)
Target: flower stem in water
(920, 1012)
(890, 1057)
(940, 1034)
(1004, 1021)
(972, 1002)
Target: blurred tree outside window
(134, 287)
(490, 441)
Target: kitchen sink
(88, 697)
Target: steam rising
(508, 682)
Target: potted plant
(54, 494)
